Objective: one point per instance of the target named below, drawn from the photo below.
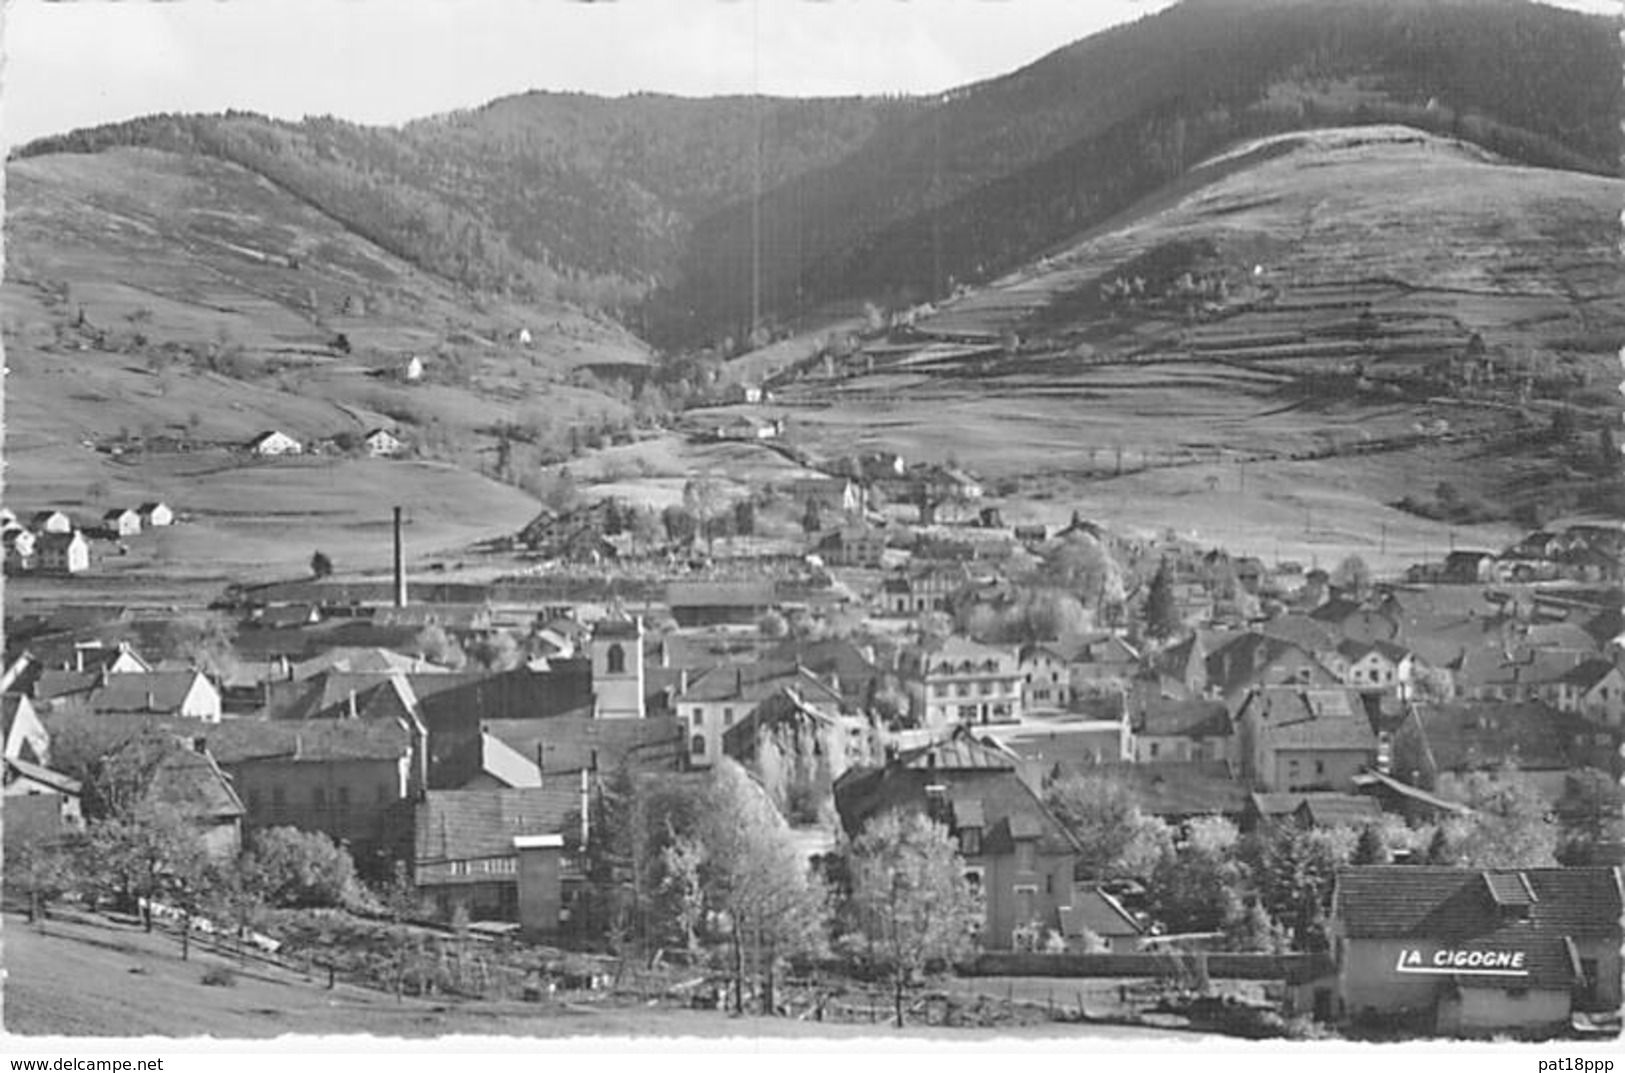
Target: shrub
(303, 868)
(219, 976)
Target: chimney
(352, 705)
(739, 681)
(152, 703)
(400, 563)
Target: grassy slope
(1520, 255)
(80, 980)
(197, 253)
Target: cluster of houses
(274, 443)
(1334, 710)
(52, 542)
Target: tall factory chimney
(400, 563)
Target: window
(1156, 747)
(985, 689)
(1026, 855)
(940, 689)
(1320, 767)
(615, 660)
(459, 868)
(696, 745)
(698, 718)
(967, 712)
(962, 689)
(727, 717)
(970, 841)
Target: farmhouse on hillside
(155, 515)
(63, 553)
(382, 443)
(274, 443)
(122, 521)
(51, 521)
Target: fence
(1226, 966)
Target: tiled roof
(55, 780)
(1293, 718)
(1184, 718)
(568, 743)
(471, 824)
(1458, 906)
(960, 751)
(1483, 734)
(1009, 808)
(1175, 789)
(1098, 912)
(237, 741)
(1423, 901)
(192, 781)
(719, 594)
(155, 691)
(1339, 810)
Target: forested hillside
(643, 205)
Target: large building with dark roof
(1019, 858)
(1461, 951)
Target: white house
(274, 443)
(155, 515)
(413, 371)
(1375, 665)
(123, 521)
(382, 443)
(20, 547)
(51, 521)
(1595, 690)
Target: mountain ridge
(642, 205)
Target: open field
(101, 978)
(1359, 265)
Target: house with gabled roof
(961, 680)
(382, 443)
(22, 735)
(502, 767)
(156, 514)
(1095, 918)
(353, 780)
(39, 804)
(1374, 665)
(1457, 739)
(1238, 664)
(62, 553)
(273, 443)
(122, 521)
(469, 844)
(1164, 730)
(1293, 738)
(187, 694)
(1019, 859)
(188, 779)
(1465, 952)
(50, 521)
(715, 700)
(1595, 690)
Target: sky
(70, 65)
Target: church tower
(617, 668)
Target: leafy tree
(704, 498)
(1293, 869)
(1249, 930)
(113, 764)
(812, 519)
(151, 852)
(745, 518)
(1101, 813)
(1353, 576)
(297, 869)
(754, 874)
(42, 868)
(909, 896)
(1372, 848)
(1161, 612)
(321, 565)
(434, 644)
(1194, 887)
(680, 525)
(1511, 825)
